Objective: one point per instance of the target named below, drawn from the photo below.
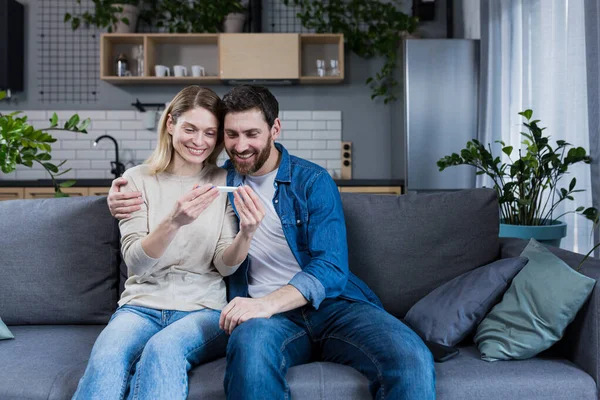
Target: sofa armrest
(581, 341)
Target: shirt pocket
(295, 226)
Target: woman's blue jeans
(146, 354)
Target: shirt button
(276, 201)
(298, 222)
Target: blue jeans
(157, 347)
(395, 360)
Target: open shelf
(321, 46)
(212, 51)
(172, 80)
(110, 48)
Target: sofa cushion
(405, 246)
(40, 361)
(46, 362)
(318, 380)
(467, 377)
(59, 261)
(452, 311)
(537, 307)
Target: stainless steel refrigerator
(441, 86)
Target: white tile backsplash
(314, 135)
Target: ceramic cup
(149, 119)
(161, 70)
(198, 70)
(180, 70)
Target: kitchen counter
(107, 182)
(48, 183)
(369, 182)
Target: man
(294, 299)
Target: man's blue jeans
(157, 347)
(393, 358)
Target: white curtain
(533, 57)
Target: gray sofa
(61, 276)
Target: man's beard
(260, 160)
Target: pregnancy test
(226, 188)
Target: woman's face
(194, 136)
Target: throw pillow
(535, 310)
(452, 311)
(5, 333)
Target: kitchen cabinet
(11, 193)
(48, 192)
(98, 191)
(226, 57)
(37, 193)
(396, 190)
(259, 56)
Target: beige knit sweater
(189, 275)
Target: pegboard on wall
(68, 66)
(282, 18)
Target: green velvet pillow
(535, 310)
(4, 332)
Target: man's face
(248, 140)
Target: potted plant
(184, 16)
(589, 253)
(21, 143)
(235, 17)
(528, 187)
(119, 16)
(371, 28)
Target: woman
(177, 248)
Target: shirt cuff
(310, 287)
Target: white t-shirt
(272, 263)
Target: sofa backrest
(58, 261)
(405, 246)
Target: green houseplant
(527, 186)
(113, 15)
(371, 28)
(183, 16)
(21, 143)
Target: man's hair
(248, 97)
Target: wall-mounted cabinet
(167, 58)
(259, 56)
(217, 58)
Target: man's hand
(120, 204)
(250, 209)
(241, 309)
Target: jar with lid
(121, 65)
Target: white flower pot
(131, 13)
(234, 23)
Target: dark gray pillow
(405, 246)
(59, 261)
(452, 311)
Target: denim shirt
(309, 206)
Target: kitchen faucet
(117, 167)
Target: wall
(373, 127)
(314, 135)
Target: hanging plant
(371, 28)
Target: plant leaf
(66, 184)
(54, 120)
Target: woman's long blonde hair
(187, 99)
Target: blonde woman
(177, 247)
